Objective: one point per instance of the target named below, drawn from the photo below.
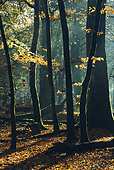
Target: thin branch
(2, 3)
(30, 5)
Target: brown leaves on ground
(33, 153)
(96, 160)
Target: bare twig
(29, 4)
(2, 3)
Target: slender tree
(45, 90)
(50, 70)
(32, 74)
(85, 84)
(11, 86)
(69, 97)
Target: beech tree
(85, 84)
(32, 78)
(11, 86)
(67, 64)
(50, 70)
(98, 108)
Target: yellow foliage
(44, 49)
(107, 10)
(95, 59)
(1, 45)
(70, 12)
(99, 33)
(42, 15)
(82, 66)
(84, 59)
(88, 30)
(23, 55)
(28, 57)
(91, 10)
(77, 84)
(60, 92)
(56, 15)
(56, 63)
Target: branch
(2, 3)
(30, 5)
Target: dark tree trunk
(69, 97)
(59, 86)
(90, 24)
(50, 70)
(32, 78)
(85, 84)
(98, 110)
(44, 93)
(12, 97)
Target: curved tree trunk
(32, 78)
(50, 71)
(85, 84)
(12, 97)
(69, 97)
(98, 110)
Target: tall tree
(44, 93)
(98, 110)
(69, 97)
(50, 70)
(11, 86)
(32, 74)
(85, 84)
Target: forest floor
(33, 151)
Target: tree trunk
(85, 84)
(50, 71)
(32, 78)
(69, 97)
(98, 110)
(44, 93)
(12, 97)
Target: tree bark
(99, 110)
(69, 97)
(85, 84)
(44, 93)
(11, 86)
(50, 70)
(32, 74)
